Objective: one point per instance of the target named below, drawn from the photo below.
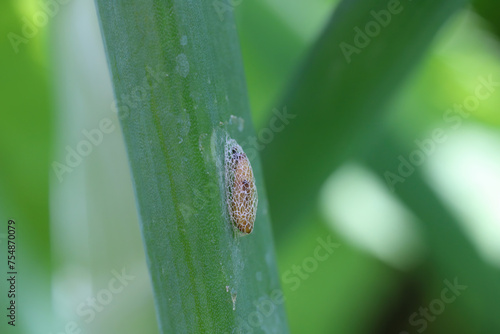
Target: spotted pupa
(241, 191)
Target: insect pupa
(241, 191)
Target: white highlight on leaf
(184, 40)
(182, 65)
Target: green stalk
(180, 91)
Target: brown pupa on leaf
(241, 191)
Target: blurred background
(423, 259)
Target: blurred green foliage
(369, 111)
(26, 106)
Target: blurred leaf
(25, 138)
(180, 66)
(335, 99)
(274, 35)
(342, 292)
(97, 227)
(451, 253)
(490, 11)
(269, 51)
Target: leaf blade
(182, 63)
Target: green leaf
(451, 254)
(347, 282)
(274, 36)
(490, 11)
(337, 95)
(180, 89)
